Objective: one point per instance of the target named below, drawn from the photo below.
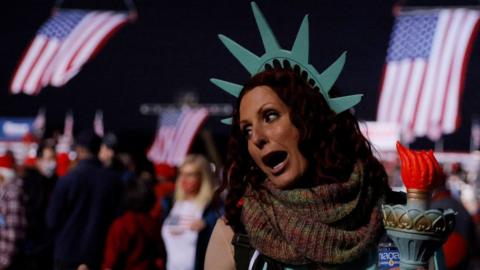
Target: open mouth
(273, 159)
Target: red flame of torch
(419, 169)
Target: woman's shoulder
(223, 230)
(220, 251)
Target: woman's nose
(259, 138)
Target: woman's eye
(247, 132)
(270, 116)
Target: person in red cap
(12, 212)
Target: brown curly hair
(332, 143)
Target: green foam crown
(297, 56)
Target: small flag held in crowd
(61, 47)
(177, 129)
(98, 123)
(68, 126)
(475, 133)
(425, 68)
(39, 123)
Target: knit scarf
(329, 224)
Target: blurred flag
(68, 126)
(98, 123)
(177, 129)
(62, 45)
(39, 123)
(425, 68)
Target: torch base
(417, 233)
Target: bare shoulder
(223, 229)
(220, 252)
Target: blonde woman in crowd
(189, 224)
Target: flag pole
(57, 6)
(133, 13)
(207, 138)
(439, 145)
(130, 4)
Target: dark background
(173, 47)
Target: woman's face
(190, 179)
(47, 163)
(271, 136)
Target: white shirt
(180, 241)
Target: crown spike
(248, 60)
(231, 88)
(227, 121)
(330, 75)
(268, 38)
(300, 48)
(299, 54)
(341, 104)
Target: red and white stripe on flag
(425, 68)
(175, 135)
(61, 46)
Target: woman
(133, 241)
(190, 222)
(303, 187)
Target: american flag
(98, 123)
(175, 135)
(181, 221)
(61, 46)
(425, 68)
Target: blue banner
(14, 128)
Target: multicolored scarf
(329, 224)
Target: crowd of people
(103, 211)
(301, 188)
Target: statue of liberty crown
(297, 56)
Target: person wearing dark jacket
(108, 155)
(83, 205)
(38, 180)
